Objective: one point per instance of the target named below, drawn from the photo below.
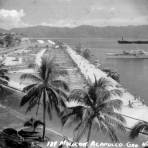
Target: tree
(114, 75)
(3, 76)
(139, 127)
(10, 137)
(8, 40)
(95, 109)
(46, 88)
(86, 54)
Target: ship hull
(132, 42)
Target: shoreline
(89, 70)
(67, 131)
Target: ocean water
(133, 72)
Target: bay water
(133, 72)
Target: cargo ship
(132, 42)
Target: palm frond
(62, 94)
(47, 67)
(112, 133)
(60, 84)
(34, 92)
(116, 92)
(32, 103)
(77, 111)
(30, 76)
(27, 88)
(102, 83)
(138, 128)
(109, 129)
(77, 95)
(102, 95)
(114, 103)
(115, 115)
(81, 131)
(114, 122)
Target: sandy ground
(17, 84)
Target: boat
(132, 42)
(132, 54)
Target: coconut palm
(95, 109)
(138, 128)
(46, 88)
(3, 76)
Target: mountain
(138, 32)
(3, 30)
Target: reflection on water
(133, 72)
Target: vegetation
(3, 76)
(46, 88)
(114, 75)
(9, 39)
(86, 54)
(59, 44)
(139, 127)
(33, 123)
(96, 109)
(11, 138)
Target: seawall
(89, 71)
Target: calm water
(133, 72)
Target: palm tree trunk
(89, 134)
(44, 113)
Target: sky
(71, 13)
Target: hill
(137, 32)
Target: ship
(132, 42)
(132, 54)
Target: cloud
(61, 23)
(11, 18)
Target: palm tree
(3, 76)
(95, 109)
(138, 128)
(46, 88)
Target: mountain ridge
(84, 31)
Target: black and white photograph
(73, 73)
